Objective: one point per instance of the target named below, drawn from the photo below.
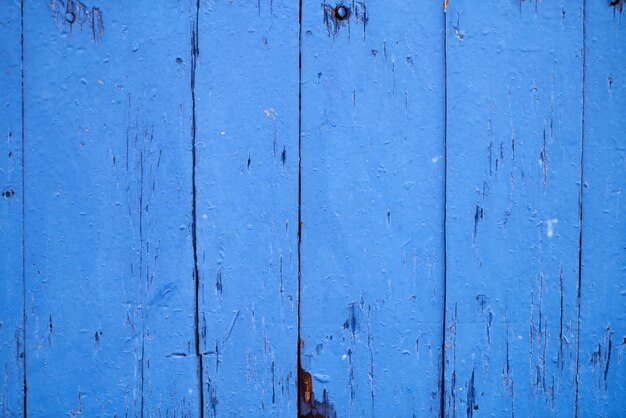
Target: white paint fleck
(435, 159)
(324, 378)
(551, 224)
(270, 113)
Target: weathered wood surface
(11, 216)
(246, 110)
(372, 208)
(601, 366)
(109, 270)
(273, 208)
(514, 138)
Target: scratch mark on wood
(560, 358)
(543, 160)
(471, 398)
(218, 282)
(50, 330)
(507, 373)
(213, 400)
(194, 56)
(230, 328)
(617, 5)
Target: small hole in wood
(341, 12)
(70, 17)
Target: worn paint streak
(71, 12)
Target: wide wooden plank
(602, 371)
(246, 89)
(11, 216)
(514, 147)
(108, 210)
(372, 208)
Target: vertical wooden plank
(11, 216)
(602, 371)
(246, 87)
(514, 148)
(372, 208)
(110, 262)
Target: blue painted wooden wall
(259, 208)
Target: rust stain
(309, 407)
(339, 15)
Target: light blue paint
(372, 207)
(247, 206)
(110, 326)
(602, 370)
(11, 200)
(514, 143)
(206, 182)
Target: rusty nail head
(70, 16)
(341, 12)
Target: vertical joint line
(580, 198)
(23, 212)
(195, 52)
(442, 377)
(299, 346)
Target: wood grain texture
(110, 264)
(602, 369)
(246, 85)
(11, 216)
(514, 76)
(372, 208)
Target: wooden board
(246, 89)
(372, 208)
(601, 369)
(514, 146)
(110, 285)
(11, 216)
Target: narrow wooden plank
(11, 216)
(602, 371)
(514, 74)
(108, 174)
(246, 85)
(372, 208)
